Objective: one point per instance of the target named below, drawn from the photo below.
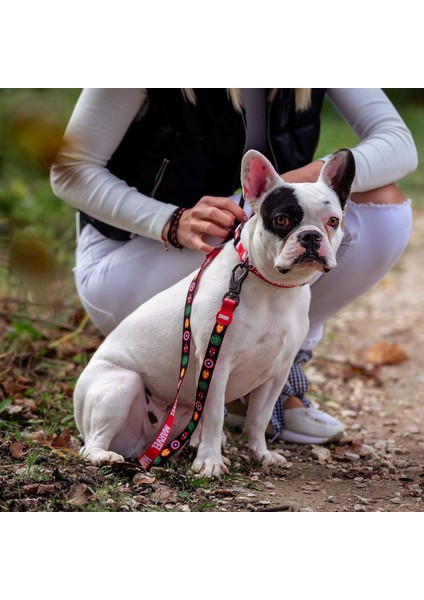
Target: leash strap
(152, 453)
(159, 450)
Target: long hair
(302, 97)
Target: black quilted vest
(178, 152)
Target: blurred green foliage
(32, 123)
(36, 229)
(335, 133)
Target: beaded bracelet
(173, 226)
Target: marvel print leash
(159, 450)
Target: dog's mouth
(308, 258)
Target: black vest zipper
(159, 176)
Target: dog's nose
(310, 240)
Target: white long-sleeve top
(385, 153)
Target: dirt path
(379, 466)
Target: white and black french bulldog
(126, 391)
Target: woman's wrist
(170, 230)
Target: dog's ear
(258, 176)
(338, 173)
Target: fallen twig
(71, 335)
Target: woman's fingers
(211, 216)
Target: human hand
(211, 216)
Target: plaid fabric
(297, 385)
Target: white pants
(114, 278)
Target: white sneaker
(303, 425)
(310, 426)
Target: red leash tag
(225, 314)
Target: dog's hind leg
(109, 412)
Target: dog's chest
(262, 338)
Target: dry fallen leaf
(55, 441)
(143, 479)
(78, 495)
(383, 353)
(163, 495)
(39, 489)
(16, 449)
(11, 388)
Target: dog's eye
(281, 221)
(333, 222)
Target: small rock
(413, 429)
(269, 485)
(359, 508)
(365, 450)
(348, 413)
(331, 499)
(321, 453)
(380, 444)
(413, 470)
(415, 490)
(351, 456)
(395, 500)
(363, 500)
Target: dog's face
(301, 223)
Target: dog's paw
(209, 467)
(100, 457)
(273, 459)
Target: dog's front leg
(209, 460)
(261, 405)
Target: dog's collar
(244, 256)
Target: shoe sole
(297, 438)
(286, 436)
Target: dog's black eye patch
(281, 212)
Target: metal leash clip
(236, 281)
